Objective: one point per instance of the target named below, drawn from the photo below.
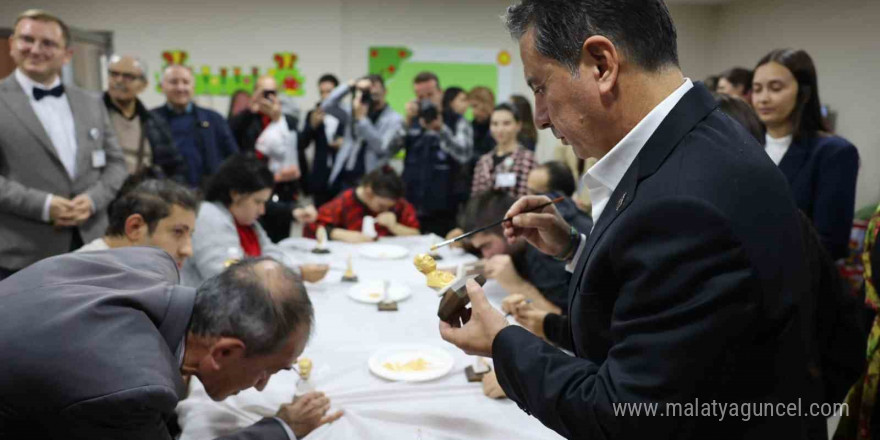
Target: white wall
(328, 35)
(843, 38)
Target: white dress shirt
(603, 177)
(57, 119)
(776, 148)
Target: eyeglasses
(125, 76)
(29, 41)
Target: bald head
(258, 301)
(127, 78)
(178, 85)
(265, 88)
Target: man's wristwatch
(574, 239)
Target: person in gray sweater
(226, 226)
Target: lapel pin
(94, 134)
(620, 201)
(206, 124)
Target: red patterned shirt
(347, 211)
(520, 163)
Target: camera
(428, 111)
(366, 97)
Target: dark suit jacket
(688, 288)
(213, 137)
(89, 342)
(822, 172)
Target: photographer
(436, 151)
(369, 134)
(325, 131)
(271, 135)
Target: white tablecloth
(346, 333)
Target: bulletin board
(465, 68)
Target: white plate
(371, 291)
(382, 251)
(438, 362)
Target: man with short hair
(201, 135)
(103, 342)
(690, 290)
(265, 131)
(372, 128)
(60, 164)
(158, 213)
(438, 151)
(145, 139)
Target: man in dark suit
(202, 135)
(688, 293)
(99, 344)
(60, 164)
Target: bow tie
(42, 93)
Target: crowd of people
(80, 175)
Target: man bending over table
(102, 342)
(379, 195)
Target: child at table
(379, 195)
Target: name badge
(505, 180)
(99, 159)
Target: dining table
(347, 332)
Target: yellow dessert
(437, 279)
(418, 364)
(374, 295)
(305, 367)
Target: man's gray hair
(261, 311)
(641, 29)
(141, 64)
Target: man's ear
(68, 53)
(136, 228)
(225, 351)
(602, 61)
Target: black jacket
(167, 161)
(822, 172)
(689, 290)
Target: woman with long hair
(821, 168)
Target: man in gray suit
(60, 164)
(97, 344)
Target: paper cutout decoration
(230, 80)
(385, 61)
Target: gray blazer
(90, 341)
(215, 241)
(378, 137)
(30, 170)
